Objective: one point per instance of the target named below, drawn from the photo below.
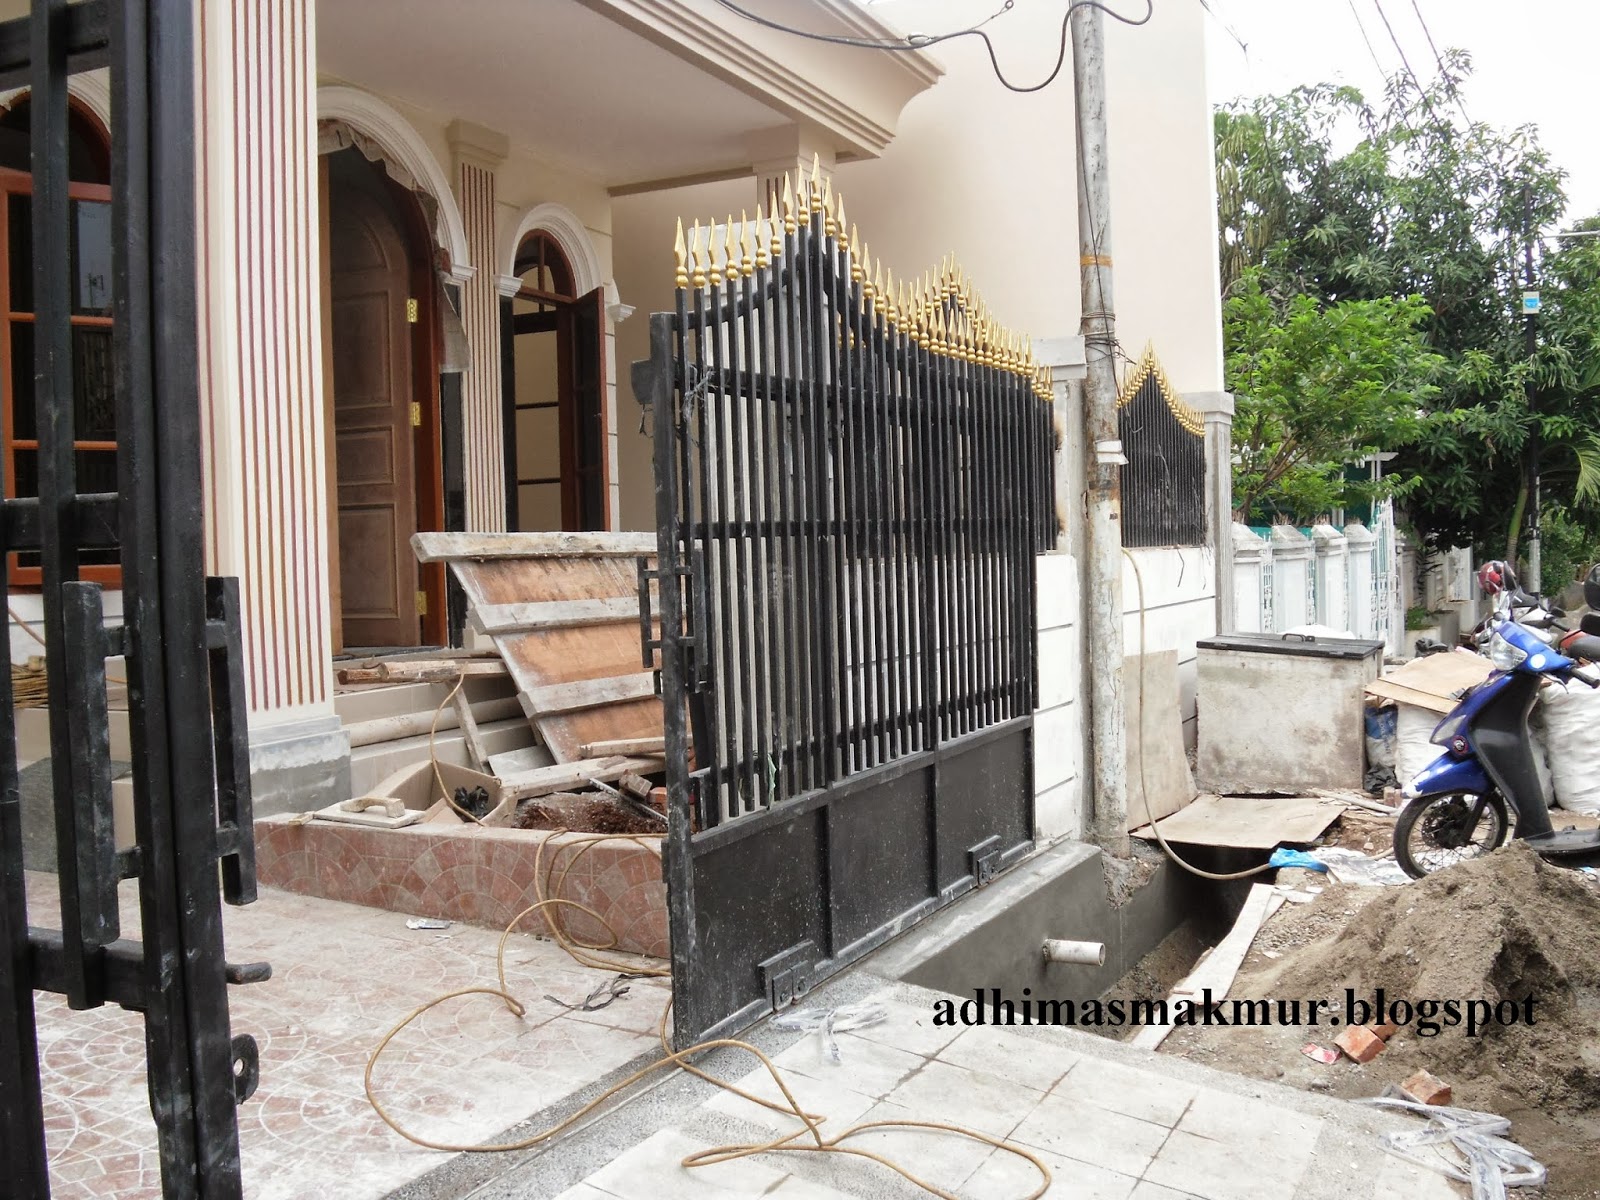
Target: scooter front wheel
(1434, 832)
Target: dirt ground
(1505, 927)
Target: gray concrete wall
(992, 938)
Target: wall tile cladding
(481, 876)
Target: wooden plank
(1248, 822)
(425, 671)
(550, 657)
(564, 776)
(478, 757)
(563, 698)
(417, 724)
(553, 614)
(1218, 969)
(446, 547)
(654, 745)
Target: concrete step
(370, 765)
(360, 704)
(33, 735)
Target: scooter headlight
(1504, 655)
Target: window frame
(13, 183)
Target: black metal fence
(180, 631)
(853, 481)
(1164, 481)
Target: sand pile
(1501, 928)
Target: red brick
(1426, 1089)
(1360, 1043)
(1384, 1029)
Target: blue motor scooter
(1463, 803)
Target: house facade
(430, 234)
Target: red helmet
(1495, 577)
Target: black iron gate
(180, 631)
(852, 481)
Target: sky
(1533, 61)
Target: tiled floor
(1107, 1130)
(342, 976)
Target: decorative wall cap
(1326, 536)
(1286, 539)
(1358, 534)
(1148, 367)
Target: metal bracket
(786, 976)
(983, 860)
(246, 1059)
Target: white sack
(1412, 750)
(1569, 718)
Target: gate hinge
(416, 414)
(422, 603)
(787, 975)
(411, 310)
(983, 860)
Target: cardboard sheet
(1431, 682)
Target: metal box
(1282, 712)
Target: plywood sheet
(1248, 822)
(1159, 780)
(541, 659)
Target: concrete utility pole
(1103, 445)
(1535, 441)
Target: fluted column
(478, 152)
(266, 497)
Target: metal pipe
(1103, 591)
(1088, 954)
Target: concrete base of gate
(991, 938)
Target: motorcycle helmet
(1591, 587)
(1496, 576)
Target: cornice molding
(686, 30)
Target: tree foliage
(1329, 206)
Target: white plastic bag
(1569, 718)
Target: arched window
(94, 417)
(554, 389)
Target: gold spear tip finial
(816, 173)
(830, 223)
(697, 256)
(762, 257)
(747, 262)
(680, 258)
(858, 269)
(788, 204)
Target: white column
(1216, 408)
(261, 383)
(1291, 578)
(1333, 590)
(1361, 577)
(478, 152)
(1252, 560)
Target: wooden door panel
(372, 397)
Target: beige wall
(989, 175)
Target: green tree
(1319, 386)
(1325, 200)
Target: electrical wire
(1455, 92)
(548, 905)
(917, 41)
(1404, 61)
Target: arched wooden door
(373, 421)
